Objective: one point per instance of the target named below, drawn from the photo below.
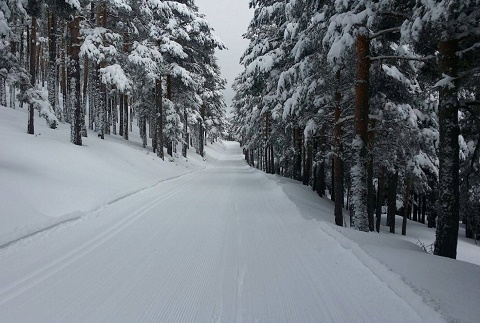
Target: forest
(100, 65)
(371, 103)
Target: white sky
(230, 19)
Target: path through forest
(220, 244)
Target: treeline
(100, 64)
(375, 102)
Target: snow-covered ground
(109, 232)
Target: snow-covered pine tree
(12, 70)
(456, 24)
(263, 62)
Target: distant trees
(100, 64)
(360, 92)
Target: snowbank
(46, 180)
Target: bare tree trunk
(416, 202)
(101, 21)
(370, 186)
(115, 113)
(3, 91)
(446, 236)
(159, 117)
(406, 199)
(122, 111)
(74, 75)
(125, 117)
(359, 170)
(381, 184)
(424, 208)
(272, 159)
(12, 86)
(84, 96)
(185, 133)
(169, 97)
(297, 141)
(142, 125)
(33, 81)
(392, 201)
(201, 131)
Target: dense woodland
(100, 65)
(374, 103)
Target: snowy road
(223, 244)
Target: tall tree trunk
(41, 64)
(74, 75)
(370, 186)
(142, 125)
(63, 71)
(159, 117)
(201, 131)
(272, 159)
(13, 49)
(332, 182)
(359, 170)
(406, 199)
(33, 81)
(337, 161)
(69, 99)
(101, 21)
(338, 189)
(84, 96)
(392, 201)
(416, 202)
(446, 236)
(424, 208)
(115, 113)
(169, 97)
(381, 184)
(185, 133)
(92, 81)
(3, 91)
(121, 116)
(308, 164)
(298, 153)
(91, 76)
(125, 117)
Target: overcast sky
(230, 19)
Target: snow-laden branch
(473, 47)
(407, 58)
(385, 31)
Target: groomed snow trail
(223, 244)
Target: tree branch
(473, 47)
(407, 58)
(383, 32)
(396, 14)
(467, 104)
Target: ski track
(223, 244)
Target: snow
(74, 4)
(45, 179)
(109, 232)
(114, 75)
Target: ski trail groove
(17, 287)
(221, 245)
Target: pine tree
(455, 22)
